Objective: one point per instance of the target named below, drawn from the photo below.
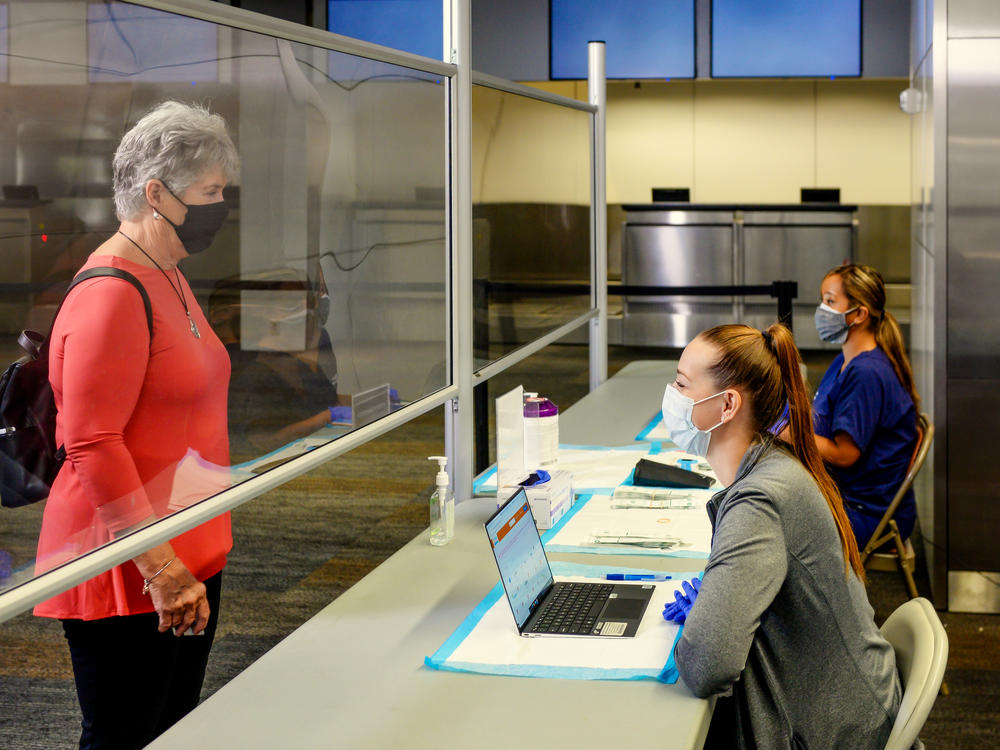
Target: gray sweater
(779, 623)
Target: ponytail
(890, 340)
(803, 443)
(766, 366)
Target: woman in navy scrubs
(865, 410)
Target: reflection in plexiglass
(327, 281)
(531, 218)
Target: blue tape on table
(482, 479)
(263, 460)
(653, 423)
(324, 434)
(439, 660)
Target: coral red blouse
(144, 425)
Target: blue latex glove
(677, 610)
(340, 414)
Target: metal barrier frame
(458, 397)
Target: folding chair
(921, 647)
(902, 555)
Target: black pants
(132, 681)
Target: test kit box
(548, 502)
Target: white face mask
(677, 419)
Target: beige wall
(729, 141)
(525, 150)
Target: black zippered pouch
(654, 474)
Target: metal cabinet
(673, 250)
(728, 245)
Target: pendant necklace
(178, 290)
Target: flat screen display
(409, 25)
(127, 43)
(524, 570)
(645, 38)
(786, 38)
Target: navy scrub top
(868, 402)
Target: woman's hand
(179, 598)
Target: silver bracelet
(147, 581)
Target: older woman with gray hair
(136, 397)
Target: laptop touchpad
(623, 609)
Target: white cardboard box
(549, 502)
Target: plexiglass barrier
(531, 219)
(327, 284)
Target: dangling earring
(155, 215)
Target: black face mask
(201, 223)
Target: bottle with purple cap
(541, 432)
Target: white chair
(921, 647)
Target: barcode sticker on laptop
(613, 628)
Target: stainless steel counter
(728, 244)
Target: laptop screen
(524, 571)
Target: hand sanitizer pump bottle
(442, 505)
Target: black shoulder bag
(29, 460)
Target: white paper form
(510, 438)
(489, 642)
(690, 526)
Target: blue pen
(637, 577)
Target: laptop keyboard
(570, 608)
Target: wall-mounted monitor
(786, 38)
(415, 26)
(128, 43)
(820, 195)
(645, 38)
(671, 195)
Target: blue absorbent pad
(487, 641)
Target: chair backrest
(921, 647)
(925, 436)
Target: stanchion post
(785, 291)
(597, 90)
(459, 414)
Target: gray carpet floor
(302, 545)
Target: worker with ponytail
(780, 628)
(865, 410)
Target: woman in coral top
(143, 421)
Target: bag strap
(118, 273)
(34, 344)
(90, 273)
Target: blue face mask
(832, 325)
